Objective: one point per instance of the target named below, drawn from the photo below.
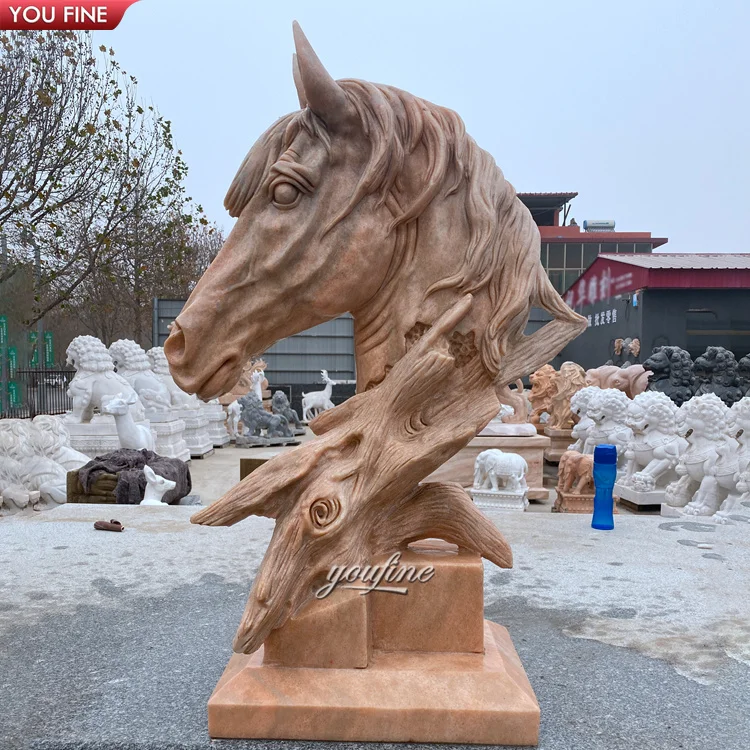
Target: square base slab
(401, 697)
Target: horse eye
(285, 194)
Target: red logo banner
(59, 15)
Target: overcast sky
(641, 107)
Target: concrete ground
(634, 638)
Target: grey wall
(296, 360)
(697, 318)
(595, 345)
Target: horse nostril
(174, 346)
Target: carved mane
(503, 253)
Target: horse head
(372, 201)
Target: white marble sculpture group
(138, 406)
(35, 457)
(693, 460)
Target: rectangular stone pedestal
(460, 468)
(641, 502)
(560, 440)
(401, 697)
(385, 667)
(572, 502)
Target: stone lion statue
(134, 365)
(256, 418)
(280, 405)
(607, 409)
(160, 368)
(579, 404)
(50, 438)
(703, 422)
(568, 380)
(671, 372)
(542, 388)
(95, 380)
(716, 371)
(655, 448)
(743, 374)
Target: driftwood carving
(372, 201)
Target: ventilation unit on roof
(599, 225)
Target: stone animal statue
(442, 268)
(156, 487)
(94, 380)
(703, 422)
(542, 388)
(316, 402)
(569, 379)
(50, 438)
(280, 405)
(14, 495)
(234, 419)
(495, 469)
(716, 371)
(607, 410)
(160, 368)
(256, 418)
(38, 473)
(655, 447)
(579, 404)
(631, 380)
(256, 383)
(670, 372)
(576, 473)
(131, 435)
(743, 374)
(134, 365)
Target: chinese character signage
(12, 362)
(49, 350)
(3, 330)
(14, 394)
(603, 318)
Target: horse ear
(318, 90)
(149, 472)
(298, 82)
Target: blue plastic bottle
(605, 472)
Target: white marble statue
(156, 487)
(500, 480)
(579, 404)
(133, 365)
(653, 451)
(94, 380)
(14, 495)
(234, 422)
(256, 383)
(608, 410)
(37, 472)
(50, 438)
(133, 436)
(160, 368)
(711, 450)
(315, 402)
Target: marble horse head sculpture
(371, 201)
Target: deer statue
(156, 487)
(131, 435)
(315, 402)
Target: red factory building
(688, 300)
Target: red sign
(59, 15)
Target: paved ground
(636, 638)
